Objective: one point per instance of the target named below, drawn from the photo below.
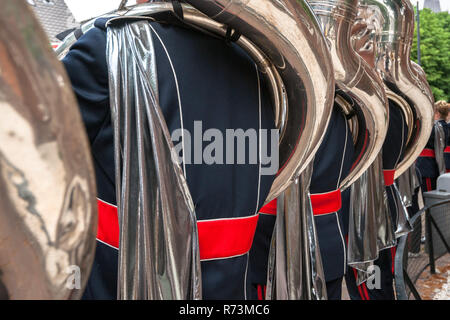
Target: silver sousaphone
(405, 87)
(394, 65)
(284, 39)
(48, 207)
(370, 226)
(360, 91)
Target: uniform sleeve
(87, 70)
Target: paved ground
(436, 286)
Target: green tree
(435, 51)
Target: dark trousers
(414, 239)
(257, 292)
(334, 290)
(386, 291)
(428, 184)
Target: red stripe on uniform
(388, 177)
(428, 181)
(219, 238)
(108, 223)
(259, 290)
(365, 291)
(270, 208)
(447, 149)
(226, 237)
(393, 251)
(427, 153)
(323, 203)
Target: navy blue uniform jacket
(219, 85)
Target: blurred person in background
(447, 146)
(431, 161)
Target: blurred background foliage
(434, 51)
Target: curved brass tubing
(356, 79)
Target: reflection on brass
(48, 212)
